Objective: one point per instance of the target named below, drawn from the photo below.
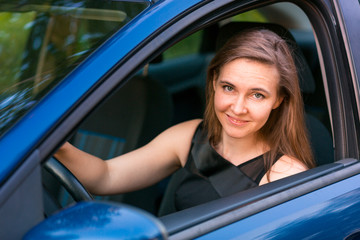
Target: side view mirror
(99, 220)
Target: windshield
(42, 41)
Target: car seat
(131, 117)
(320, 138)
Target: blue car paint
(327, 206)
(309, 215)
(15, 145)
(98, 220)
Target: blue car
(109, 75)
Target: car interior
(170, 89)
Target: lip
(237, 122)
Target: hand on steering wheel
(67, 180)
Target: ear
(278, 102)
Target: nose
(239, 105)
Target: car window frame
(346, 12)
(335, 69)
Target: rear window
(42, 41)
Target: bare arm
(134, 170)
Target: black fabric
(208, 176)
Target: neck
(240, 150)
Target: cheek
(220, 102)
(261, 112)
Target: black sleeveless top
(208, 176)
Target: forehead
(247, 71)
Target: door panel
(328, 213)
(21, 205)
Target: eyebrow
(226, 82)
(253, 89)
(261, 90)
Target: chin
(236, 133)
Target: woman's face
(246, 91)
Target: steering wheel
(67, 180)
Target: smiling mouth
(237, 121)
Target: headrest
(307, 83)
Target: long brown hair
(285, 131)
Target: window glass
(251, 16)
(42, 41)
(189, 45)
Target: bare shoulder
(189, 125)
(178, 138)
(182, 130)
(284, 167)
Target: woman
(253, 131)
